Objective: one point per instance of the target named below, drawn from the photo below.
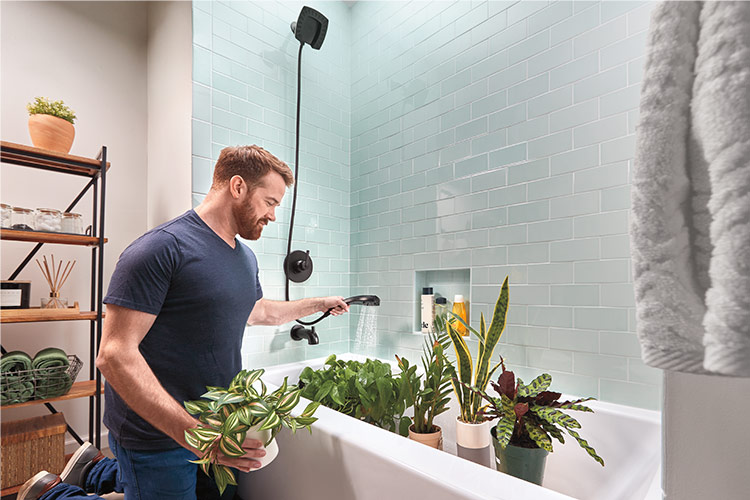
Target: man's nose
(271, 215)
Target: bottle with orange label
(459, 309)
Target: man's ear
(237, 186)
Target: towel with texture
(690, 216)
(16, 382)
(51, 377)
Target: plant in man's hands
(43, 106)
(529, 415)
(226, 415)
(429, 396)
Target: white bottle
(428, 310)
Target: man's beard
(249, 226)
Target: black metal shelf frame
(97, 185)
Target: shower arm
(363, 300)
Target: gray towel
(690, 220)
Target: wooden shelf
(29, 156)
(35, 315)
(10, 490)
(84, 389)
(44, 237)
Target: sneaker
(80, 464)
(38, 485)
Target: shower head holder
(310, 27)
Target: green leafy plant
(43, 106)
(226, 415)
(466, 374)
(428, 395)
(530, 415)
(366, 391)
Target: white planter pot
(473, 442)
(272, 450)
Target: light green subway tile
(488, 257)
(521, 10)
(601, 83)
(618, 295)
(401, 231)
(549, 16)
(220, 135)
(477, 52)
(550, 231)
(607, 271)
(641, 373)
(413, 214)
(552, 101)
(413, 182)
(488, 180)
(489, 218)
(471, 129)
(528, 89)
(202, 173)
(514, 33)
(455, 258)
(425, 195)
(507, 196)
(597, 365)
(573, 251)
(620, 101)
(426, 162)
(530, 129)
(504, 79)
(471, 166)
(456, 188)
(472, 239)
(527, 254)
(414, 149)
(601, 318)
(471, 202)
(487, 142)
(537, 295)
(221, 100)
(246, 109)
(574, 71)
(455, 117)
(455, 82)
(577, 385)
(518, 315)
(525, 335)
(631, 394)
(490, 104)
(425, 227)
(550, 273)
(574, 340)
(507, 117)
(549, 359)
(579, 204)
(453, 223)
(528, 212)
(550, 145)
(578, 159)
(456, 152)
(615, 174)
(550, 188)
(611, 10)
(436, 142)
(605, 224)
(529, 171)
(201, 102)
(624, 51)
(574, 295)
(556, 56)
(446, 207)
(515, 274)
(581, 22)
(617, 198)
(638, 19)
(635, 70)
(550, 316)
(229, 85)
(471, 93)
(201, 138)
(387, 189)
(614, 247)
(508, 235)
(618, 149)
(601, 36)
(507, 156)
(573, 116)
(201, 65)
(619, 344)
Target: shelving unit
(95, 169)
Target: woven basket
(31, 445)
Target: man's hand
(253, 449)
(336, 305)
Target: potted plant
(472, 431)
(51, 124)
(229, 416)
(429, 396)
(366, 391)
(528, 417)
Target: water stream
(366, 335)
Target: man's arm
(276, 312)
(127, 372)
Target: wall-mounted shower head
(363, 300)
(311, 27)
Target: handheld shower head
(363, 300)
(311, 27)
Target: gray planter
(524, 463)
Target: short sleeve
(144, 272)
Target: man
(177, 306)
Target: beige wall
(96, 57)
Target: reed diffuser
(56, 278)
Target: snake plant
(467, 374)
(530, 415)
(226, 415)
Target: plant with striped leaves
(226, 415)
(530, 415)
(465, 373)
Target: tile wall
(244, 92)
(491, 136)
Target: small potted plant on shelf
(472, 430)
(429, 395)
(51, 124)
(230, 415)
(528, 417)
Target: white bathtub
(345, 459)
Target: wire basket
(41, 383)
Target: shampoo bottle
(428, 310)
(459, 309)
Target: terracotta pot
(432, 439)
(524, 463)
(272, 450)
(51, 133)
(473, 442)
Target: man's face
(256, 208)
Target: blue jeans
(144, 475)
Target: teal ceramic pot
(523, 463)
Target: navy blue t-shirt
(201, 291)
